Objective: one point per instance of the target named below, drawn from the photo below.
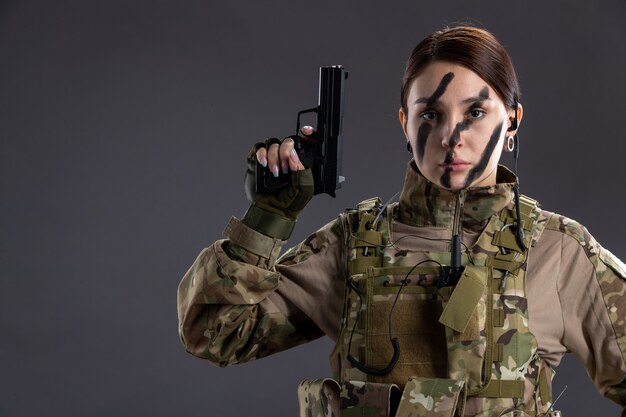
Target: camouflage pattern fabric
(368, 399)
(491, 349)
(225, 314)
(319, 398)
(427, 397)
(233, 305)
(610, 273)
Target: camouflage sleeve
(237, 303)
(592, 292)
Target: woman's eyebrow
(482, 96)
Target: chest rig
(412, 345)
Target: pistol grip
(267, 183)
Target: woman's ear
(403, 120)
(511, 115)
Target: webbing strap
(365, 240)
(506, 265)
(498, 352)
(506, 239)
(361, 263)
(527, 222)
(498, 317)
(544, 386)
(502, 389)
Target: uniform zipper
(458, 212)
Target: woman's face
(456, 124)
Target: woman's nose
(452, 134)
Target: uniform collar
(423, 203)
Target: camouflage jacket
(237, 302)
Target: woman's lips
(455, 165)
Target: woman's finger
(307, 131)
(272, 159)
(261, 156)
(289, 157)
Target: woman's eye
(476, 113)
(428, 115)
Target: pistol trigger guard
(301, 112)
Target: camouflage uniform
(238, 302)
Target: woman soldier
(460, 299)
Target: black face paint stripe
(485, 157)
(422, 137)
(426, 128)
(445, 179)
(484, 93)
(441, 88)
(456, 134)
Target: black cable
(394, 340)
(519, 230)
(392, 244)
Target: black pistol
(323, 154)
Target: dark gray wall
(123, 127)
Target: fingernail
(275, 170)
(285, 166)
(293, 155)
(263, 162)
(307, 128)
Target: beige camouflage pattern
(479, 351)
(319, 398)
(233, 307)
(224, 312)
(368, 399)
(430, 397)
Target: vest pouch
(369, 399)
(465, 318)
(432, 397)
(385, 308)
(319, 398)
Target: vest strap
(366, 238)
(502, 389)
(498, 317)
(361, 263)
(510, 266)
(498, 352)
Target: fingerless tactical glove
(275, 215)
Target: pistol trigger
(310, 140)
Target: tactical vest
(464, 350)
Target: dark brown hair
(474, 48)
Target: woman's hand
(275, 214)
(282, 156)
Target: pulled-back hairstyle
(474, 48)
